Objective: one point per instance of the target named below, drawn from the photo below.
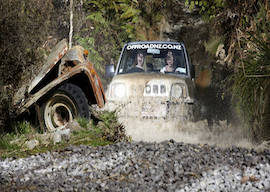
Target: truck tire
(65, 103)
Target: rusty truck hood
(62, 65)
(57, 53)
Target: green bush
(24, 28)
(109, 128)
(109, 25)
(252, 80)
(209, 9)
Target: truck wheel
(65, 104)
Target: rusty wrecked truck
(152, 89)
(63, 90)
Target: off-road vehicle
(156, 98)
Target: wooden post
(71, 24)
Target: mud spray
(221, 134)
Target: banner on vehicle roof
(154, 46)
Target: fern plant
(109, 25)
(252, 81)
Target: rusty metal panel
(96, 84)
(78, 56)
(57, 53)
(82, 68)
(75, 54)
(73, 62)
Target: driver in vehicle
(139, 60)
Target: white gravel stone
(167, 166)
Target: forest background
(228, 41)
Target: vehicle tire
(65, 103)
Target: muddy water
(221, 134)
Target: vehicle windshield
(153, 58)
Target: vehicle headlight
(118, 90)
(178, 91)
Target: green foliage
(107, 131)
(24, 25)
(6, 144)
(252, 82)
(5, 102)
(210, 9)
(24, 28)
(109, 128)
(83, 122)
(20, 129)
(23, 127)
(88, 136)
(110, 24)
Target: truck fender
(71, 76)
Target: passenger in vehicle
(139, 61)
(170, 65)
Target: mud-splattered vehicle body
(152, 103)
(65, 87)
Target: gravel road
(140, 166)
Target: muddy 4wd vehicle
(152, 89)
(63, 90)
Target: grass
(106, 131)
(5, 141)
(80, 137)
(83, 122)
(23, 127)
(88, 137)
